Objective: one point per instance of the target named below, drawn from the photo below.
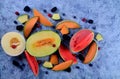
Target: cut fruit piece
(42, 19)
(99, 37)
(66, 54)
(68, 24)
(43, 43)
(13, 43)
(32, 63)
(56, 16)
(81, 40)
(54, 59)
(23, 18)
(91, 54)
(29, 26)
(47, 64)
(63, 66)
(64, 30)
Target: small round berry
(90, 21)
(54, 9)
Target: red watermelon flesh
(81, 40)
(32, 63)
(66, 54)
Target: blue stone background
(106, 16)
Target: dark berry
(90, 65)
(80, 56)
(15, 22)
(54, 9)
(45, 11)
(27, 9)
(77, 67)
(84, 19)
(90, 21)
(66, 37)
(49, 15)
(74, 17)
(53, 27)
(46, 72)
(98, 48)
(63, 14)
(68, 69)
(17, 13)
(94, 27)
(19, 27)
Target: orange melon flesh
(64, 30)
(63, 66)
(91, 53)
(68, 24)
(81, 40)
(32, 63)
(42, 19)
(54, 59)
(29, 26)
(66, 54)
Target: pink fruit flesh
(81, 40)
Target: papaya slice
(92, 52)
(81, 40)
(42, 19)
(32, 63)
(54, 59)
(68, 24)
(63, 65)
(66, 54)
(29, 26)
(64, 30)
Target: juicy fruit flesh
(81, 40)
(13, 43)
(43, 43)
(23, 18)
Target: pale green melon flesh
(45, 50)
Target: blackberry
(54, 9)
(27, 9)
(90, 21)
(19, 27)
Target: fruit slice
(42, 19)
(54, 59)
(63, 66)
(68, 24)
(99, 37)
(32, 63)
(29, 26)
(66, 54)
(92, 52)
(13, 43)
(43, 43)
(56, 16)
(81, 40)
(47, 64)
(64, 30)
(23, 18)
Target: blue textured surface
(106, 16)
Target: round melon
(81, 40)
(13, 43)
(43, 43)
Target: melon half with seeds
(43, 43)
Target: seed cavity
(14, 42)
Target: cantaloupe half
(91, 54)
(63, 65)
(29, 26)
(42, 19)
(68, 24)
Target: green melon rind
(46, 54)
(85, 47)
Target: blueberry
(63, 14)
(90, 21)
(68, 69)
(45, 11)
(19, 27)
(74, 17)
(46, 72)
(15, 22)
(27, 9)
(54, 9)
(77, 67)
(90, 65)
(94, 27)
